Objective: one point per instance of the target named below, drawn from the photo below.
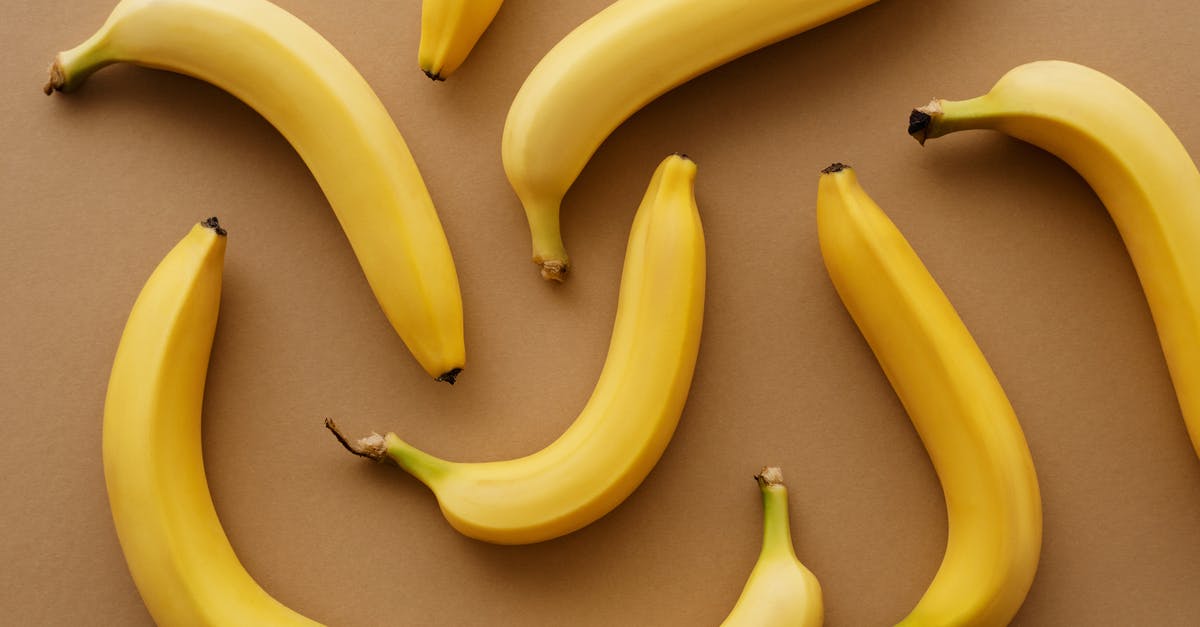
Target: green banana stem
(416, 462)
(777, 532)
(72, 67)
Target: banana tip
(57, 78)
(214, 224)
(769, 475)
(835, 168)
(434, 76)
(920, 119)
(554, 270)
(450, 376)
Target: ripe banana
(955, 402)
(1134, 163)
(614, 64)
(449, 30)
(302, 85)
(780, 592)
(177, 552)
(632, 413)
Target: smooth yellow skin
(302, 85)
(177, 552)
(955, 402)
(633, 411)
(449, 30)
(1139, 169)
(780, 592)
(614, 64)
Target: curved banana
(303, 86)
(177, 552)
(780, 592)
(1134, 163)
(632, 413)
(614, 64)
(955, 402)
(449, 30)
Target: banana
(449, 30)
(1134, 163)
(953, 399)
(632, 413)
(177, 552)
(614, 64)
(780, 592)
(303, 86)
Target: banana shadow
(203, 113)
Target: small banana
(614, 64)
(177, 552)
(954, 401)
(449, 30)
(780, 592)
(632, 413)
(303, 86)
(1134, 163)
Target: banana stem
(72, 67)
(416, 462)
(942, 117)
(378, 448)
(370, 447)
(548, 250)
(777, 532)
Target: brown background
(97, 186)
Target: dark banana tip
(434, 76)
(214, 224)
(918, 124)
(450, 376)
(834, 168)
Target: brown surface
(97, 186)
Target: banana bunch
(780, 592)
(955, 402)
(177, 552)
(303, 86)
(622, 431)
(614, 64)
(449, 30)
(1134, 163)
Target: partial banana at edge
(1135, 164)
(614, 64)
(952, 396)
(780, 592)
(632, 413)
(176, 550)
(302, 85)
(449, 30)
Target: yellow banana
(1134, 163)
(780, 592)
(614, 64)
(449, 30)
(177, 552)
(955, 402)
(302, 85)
(632, 413)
